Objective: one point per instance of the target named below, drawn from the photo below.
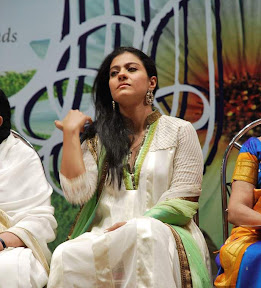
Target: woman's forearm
(241, 203)
(241, 214)
(72, 164)
(72, 159)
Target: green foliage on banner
(12, 82)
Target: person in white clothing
(27, 222)
(137, 175)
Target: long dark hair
(109, 124)
(5, 112)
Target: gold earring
(149, 97)
(113, 105)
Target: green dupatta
(178, 212)
(87, 212)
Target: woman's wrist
(72, 130)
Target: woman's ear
(1, 121)
(153, 83)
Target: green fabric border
(87, 213)
(144, 151)
(178, 212)
(140, 159)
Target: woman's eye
(113, 73)
(132, 69)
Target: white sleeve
(80, 189)
(30, 214)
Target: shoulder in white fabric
(167, 132)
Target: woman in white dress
(138, 178)
(27, 222)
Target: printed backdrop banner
(208, 59)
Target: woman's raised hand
(73, 122)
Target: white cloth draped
(26, 211)
(143, 252)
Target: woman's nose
(122, 75)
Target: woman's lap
(242, 265)
(142, 251)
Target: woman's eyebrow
(126, 64)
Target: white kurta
(26, 211)
(142, 253)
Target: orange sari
(241, 238)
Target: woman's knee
(59, 252)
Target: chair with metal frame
(18, 135)
(24, 140)
(226, 186)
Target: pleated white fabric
(143, 252)
(26, 211)
(19, 268)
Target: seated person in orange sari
(240, 261)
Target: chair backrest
(18, 135)
(22, 138)
(226, 186)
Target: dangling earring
(149, 97)
(113, 105)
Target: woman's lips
(122, 85)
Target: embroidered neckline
(153, 116)
(131, 178)
(131, 170)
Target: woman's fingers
(59, 124)
(87, 122)
(88, 119)
(115, 226)
(73, 121)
